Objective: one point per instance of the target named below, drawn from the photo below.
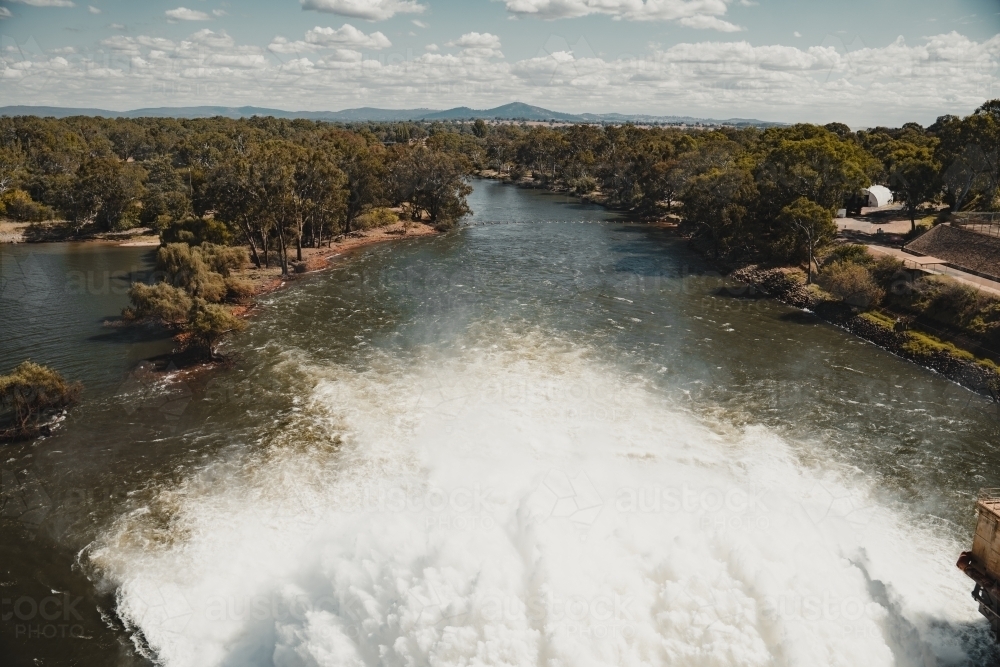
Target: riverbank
(950, 358)
(956, 364)
(266, 280)
(269, 279)
(63, 231)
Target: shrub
(949, 301)
(200, 270)
(210, 322)
(853, 283)
(851, 253)
(224, 259)
(891, 275)
(582, 185)
(196, 231)
(30, 390)
(925, 345)
(376, 217)
(161, 301)
(880, 319)
(129, 218)
(18, 205)
(238, 290)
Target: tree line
(275, 186)
(272, 185)
(278, 185)
(757, 195)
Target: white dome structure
(878, 195)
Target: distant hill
(512, 111)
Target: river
(549, 437)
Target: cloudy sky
(862, 62)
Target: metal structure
(982, 564)
(985, 222)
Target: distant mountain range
(512, 111)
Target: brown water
(547, 437)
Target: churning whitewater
(518, 501)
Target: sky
(864, 63)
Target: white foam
(525, 506)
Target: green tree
(812, 162)
(814, 226)
(914, 178)
(109, 192)
(161, 302)
(433, 181)
(29, 392)
(209, 322)
(716, 204)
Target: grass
(925, 345)
(880, 319)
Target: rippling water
(546, 438)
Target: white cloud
(701, 14)
(212, 40)
(93, 10)
(369, 10)
(47, 3)
(704, 22)
(219, 12)
(116, 26)
(5, 13)
(432, 48)
(347, 35)
(284, 46)
(946, 73)
(340, 56)
(185, 14)
(247, 60)
(418, 23)
(797, 33)
(478, 45)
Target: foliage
(853, 283)
(925, 345)
(812, 228)
(376, 217)
(31, 390)
(199, 270)
(196, 231)
(17, 205)
(879, 319)
(108, 192)
(161, 302)
(432, 182)
(209, 322)
(852, 253)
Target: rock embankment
(778, 285)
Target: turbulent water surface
(548, 438)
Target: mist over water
(553, 439)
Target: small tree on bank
(813, 224)
(209, 322)
(29, 392)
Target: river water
(549, 437)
